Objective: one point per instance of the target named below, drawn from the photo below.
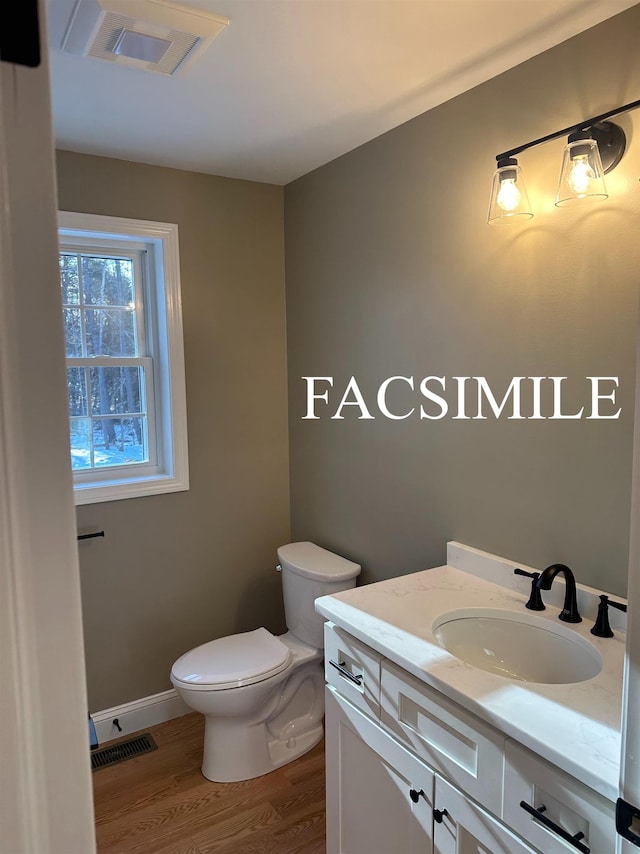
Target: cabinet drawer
(567, 803)
(460, 746)
(353, 669)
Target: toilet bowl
(262, 695)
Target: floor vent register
(123, 750)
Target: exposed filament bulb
(581, 175)
(509, 195)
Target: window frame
(142, 265)
(163, 334)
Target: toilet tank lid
(312, 561)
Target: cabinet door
(379, 796)
(462, 827)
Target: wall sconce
(594, 147)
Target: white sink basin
(517, 646)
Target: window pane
(80, 443)
(110, 332)
(72, 331)
(107, 281)
(77, 388)
(120, 441)
(115, 390)
(69, 280)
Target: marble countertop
(575, 726)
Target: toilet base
(253, 729)
(232, 754)
(286, 751)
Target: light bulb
(581, 175)
(509, 195)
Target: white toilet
(263, 696)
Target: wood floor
(159, 803)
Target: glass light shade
(582, 175)
(509, 200)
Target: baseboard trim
(139, 714)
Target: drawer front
(461, 747)
(568, 804)
(353, 669)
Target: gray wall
(391, 269)
(181, 569)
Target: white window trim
(169, 361)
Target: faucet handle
(619, 605)
(601, 627)
(535, 602)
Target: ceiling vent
(153, 35)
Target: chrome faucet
(569, 611)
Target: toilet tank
(309, 571)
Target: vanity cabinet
(409, 770)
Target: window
(120, 284)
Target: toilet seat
(232, 662)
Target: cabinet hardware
(626, 813)
(574, 839)
(438, 815)
(415, 795)
(342, 670)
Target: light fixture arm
(572, 128)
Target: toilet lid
(233, 661)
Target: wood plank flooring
(160, 803)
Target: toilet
(262, 695)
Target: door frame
(630, 741)
(46, 798)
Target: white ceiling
(291, 84)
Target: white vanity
(428, 753)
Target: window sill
(95, 493)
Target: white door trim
(45, 798)
(630, 747)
